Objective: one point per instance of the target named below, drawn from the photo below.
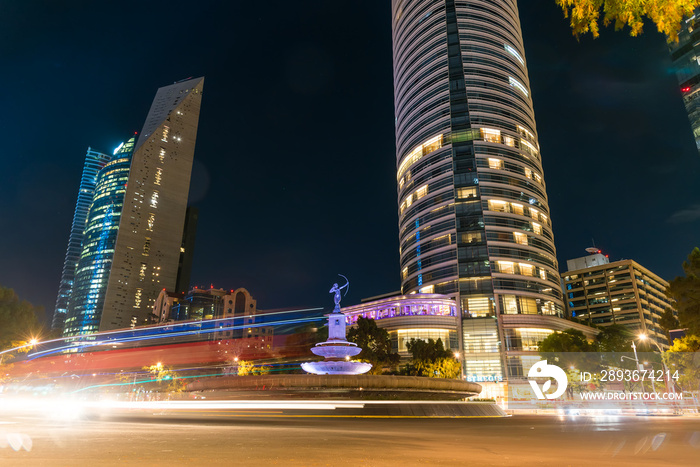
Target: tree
(570, 350)
(569, 340)
(431, 359)
(686, 293)
(614, 338)
(165, 378)
(375, 344)
(585, 15)
(684, 357)
(18, 319)
(668, 322)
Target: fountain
(336, 350)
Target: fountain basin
(336, 367)
(336, 350)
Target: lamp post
(643, 337)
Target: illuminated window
(537, 228)
(543, 218)
(525, 132)
(409, 200)
(161, 155)
(528, 173)
(471, 237)
(506, 267)
(469, 192)
(534, 213)
(404, 273)
(427, 289)
(510, 305)
(401, 182)
(478, 306)
(137, 298)
(537, 176)
(509, 141)
(142, 271)
(166, 131)
(151, 221)
(511, 50)
(528, 306)
(154, 199)
(526, 269)
(495, 163)
(520, 238)
(147, 246)
(422, 191)
(517, 208)
(518, 85)
(429, 146)
(491, 135)
(543, 274)
(528, 147)
(497, 205)
(159, 176)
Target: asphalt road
(312, 441)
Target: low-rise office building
(622, 292)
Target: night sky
(294, 171)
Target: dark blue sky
(295, 166)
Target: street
(227, 439)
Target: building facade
(94, 161)
(433, 316)
(235, 312)
(474, 219)
(144, 243)
(100, 236)
(406, 317)
(685, 55)
(622, 292)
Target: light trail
(32, 355)
(163, 327)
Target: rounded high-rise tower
(474, 219)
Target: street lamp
(643, 337)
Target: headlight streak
(43, 353)
(161, 327)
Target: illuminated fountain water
(336, 350)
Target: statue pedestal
(336, 351)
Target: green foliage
(375, 344)
(569, 340)
(686, 292)
(18, 319)
(586, 15)
(427, 351)
(165, 378)
(431, 359)
(668, 322)
(570, 349)
(614, 338)
(684, 356)
(447, 367)
(246, 368)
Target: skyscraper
(94, 161)
(686, 60)
(135, 248)
(474, 219)
(102, 226)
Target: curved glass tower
(99, 238)
(94, 161)
(474, 219)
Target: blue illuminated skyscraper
(94, 161)
(100, 236)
